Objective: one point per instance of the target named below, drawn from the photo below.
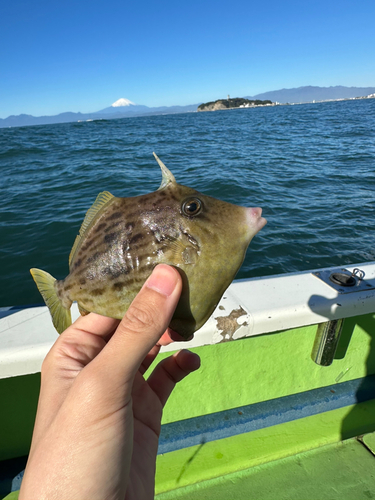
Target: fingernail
(163, 280)
(194, 358)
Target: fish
(121, 240)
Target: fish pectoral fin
(190, 255)
(183, 252)
(61, 316)
(102, 200)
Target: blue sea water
(311, 168)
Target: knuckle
(47, 364)
(140, 318)
(52, 358)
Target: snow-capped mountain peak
(123, 107)
(122, 102)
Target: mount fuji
(124, 106)
(122, 102)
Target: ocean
(311, 167)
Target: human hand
(98, 420)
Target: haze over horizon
(81, 57)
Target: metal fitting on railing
(326, 341)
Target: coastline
(371, 96)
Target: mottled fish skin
(132, 235)
(121, 240)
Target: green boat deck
(259, 420)
(342, 471)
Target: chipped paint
(228, 325)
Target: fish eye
(192, 207)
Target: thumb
(143, 324)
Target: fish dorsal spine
(102, 200)
(167, 176)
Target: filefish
(121, 240)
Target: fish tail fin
(61, 316)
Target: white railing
(248, 307)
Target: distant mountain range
(310, 94)
(124, 108)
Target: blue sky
(81, 55)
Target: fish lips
(255, 220)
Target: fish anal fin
(82, 311)
(102, 200)
(61, 316)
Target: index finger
(103, 326)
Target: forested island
(236, 102)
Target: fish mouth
(255, 219)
